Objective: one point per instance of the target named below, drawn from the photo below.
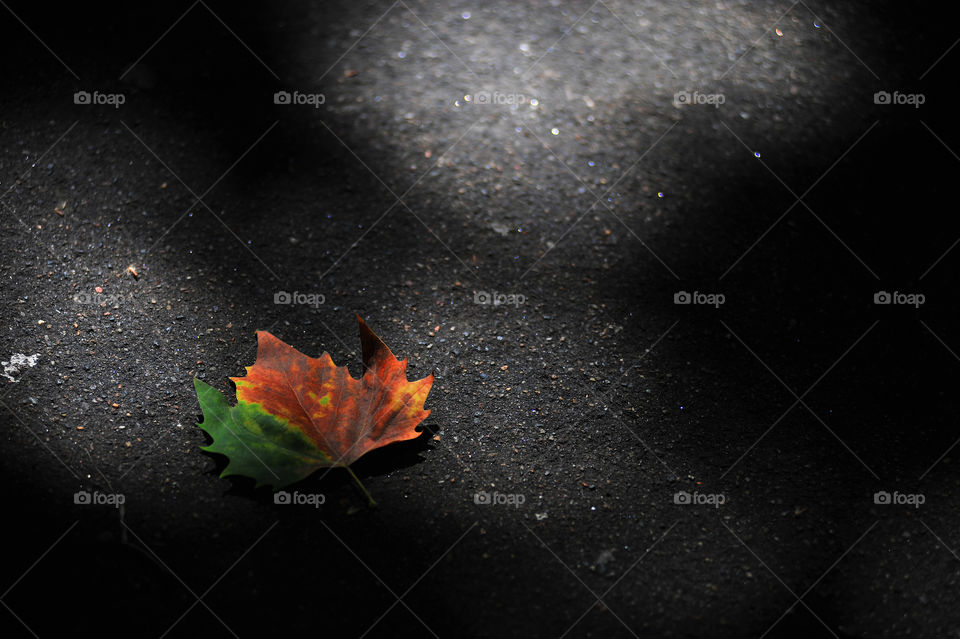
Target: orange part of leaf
(345, 417)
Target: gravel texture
(608, 157)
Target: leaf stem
(373, 504)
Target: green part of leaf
(258, 444)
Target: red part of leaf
(345, 417)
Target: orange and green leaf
(295, 413)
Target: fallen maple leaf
(295, 414)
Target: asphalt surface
(610, 157)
